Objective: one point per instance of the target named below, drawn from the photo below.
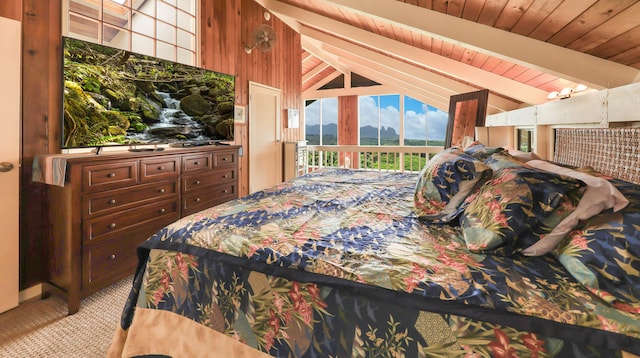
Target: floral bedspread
(336, 264)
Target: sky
(416, 113)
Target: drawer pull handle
(196, 163)
(161, 190)
(112, 225)
(225, 191)
(197, 182)
(111, 175)
(162, 211)
(112, 201)
(197, 200)
(112, 257)
(224, 159)
(160, 168)
(225, 176)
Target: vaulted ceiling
(521, 50)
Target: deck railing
(379, 158)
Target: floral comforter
(336, 264)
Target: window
(321, 121)
(379, 120)
(159, 28)
(525, 139)
(423, 124)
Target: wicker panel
(611, 151)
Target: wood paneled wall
(280, 68)
(41, 127)
(225, 26)
(348, 125)
(11, 10)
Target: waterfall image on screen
(116, 97)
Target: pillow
(501, 215)
(481, 151)
(522, 156)
(599, 195)
(444, 182)
(502, 160)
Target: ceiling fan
(263, 38)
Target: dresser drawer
(226, 158)
(109, 175)
(121, 199)
(156, 169)
(194, 163)
(202, 199)
(199, 181)
(106, 226)
(108, 260)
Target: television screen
(117, 97)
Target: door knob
(5, 166)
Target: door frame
(253, 88)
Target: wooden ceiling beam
(315, 71)
(562, 62)
(442, 64)
(411, 74)
(398, 84)
(314, 48)
(306, 55)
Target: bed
(351, 263)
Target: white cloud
(368, 111)
(437, 124)
(312, 113)
(389, 117)
(329, 110)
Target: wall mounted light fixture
(567, 92)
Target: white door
(265, 146)
(9, 161)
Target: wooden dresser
(110, 203)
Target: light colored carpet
(42, 328)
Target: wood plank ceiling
(521, 50)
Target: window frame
(184, 32)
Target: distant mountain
(365, 132)
(327, 128)
(388, 133)
(372, 132)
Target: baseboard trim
(30, 293)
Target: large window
(159, 28)
(321, 121)
(423, 124)
(382, 122)
(379, 120)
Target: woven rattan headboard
(611, 151)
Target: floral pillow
(502, 160)
(500, 217)
(444, 182)
(481, 151)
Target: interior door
(9, 161)
(265, 147)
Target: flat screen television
(113, 97)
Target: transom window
(159, 28)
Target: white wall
(606, 108)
